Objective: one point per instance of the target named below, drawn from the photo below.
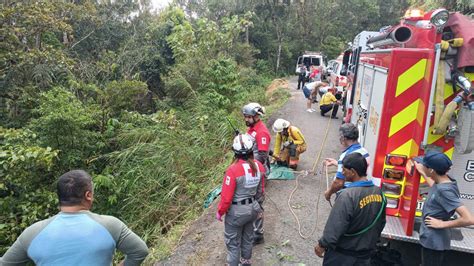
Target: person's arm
(465, 219)
(228, 188)
(261, 156)
(336, 185)
(263, 144)
(16, 254)
(330, 161)
(337, 223)
(260, 195)
(263, 141)
(421, 170)
(296, 135)
(277, 146)
(450, 201)
(134, 248)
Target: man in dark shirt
(301, 76)
(442, 202)
(356, 220)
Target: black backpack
(385, 256)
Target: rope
(316, 162)
(327, 183)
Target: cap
(435, 160)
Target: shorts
(307, 93)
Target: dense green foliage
(140, 99)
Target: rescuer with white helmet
(242, 189)
(261, 148)
(258, 131)
(289, 143)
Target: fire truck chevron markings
(410, 77)
(414, 111)
(409, 148)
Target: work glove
(218, 217)
(275, 159)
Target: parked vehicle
(310, 58)
(334, 76)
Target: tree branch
(85, 37)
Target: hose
(440, 128)
(439, 98)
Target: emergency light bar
(414, 14)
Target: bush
(67, 125)
(26, 187)
(177, 88)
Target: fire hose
(443, 117)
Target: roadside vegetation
(140, 100)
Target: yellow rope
(305, 173)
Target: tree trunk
(247, 34)
(65, 39)
(278, 54)
(38, 41)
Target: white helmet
(253, 109)
(243, 144)
(280, 124)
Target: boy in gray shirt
(442, 202)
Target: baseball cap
(435, 160)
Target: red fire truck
(411, 92)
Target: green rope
(384, 203)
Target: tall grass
(158, 178)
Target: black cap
(435, 160)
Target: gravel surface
(203, 242)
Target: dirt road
(203, 243)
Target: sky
(157, 4)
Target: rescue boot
(245, 262)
